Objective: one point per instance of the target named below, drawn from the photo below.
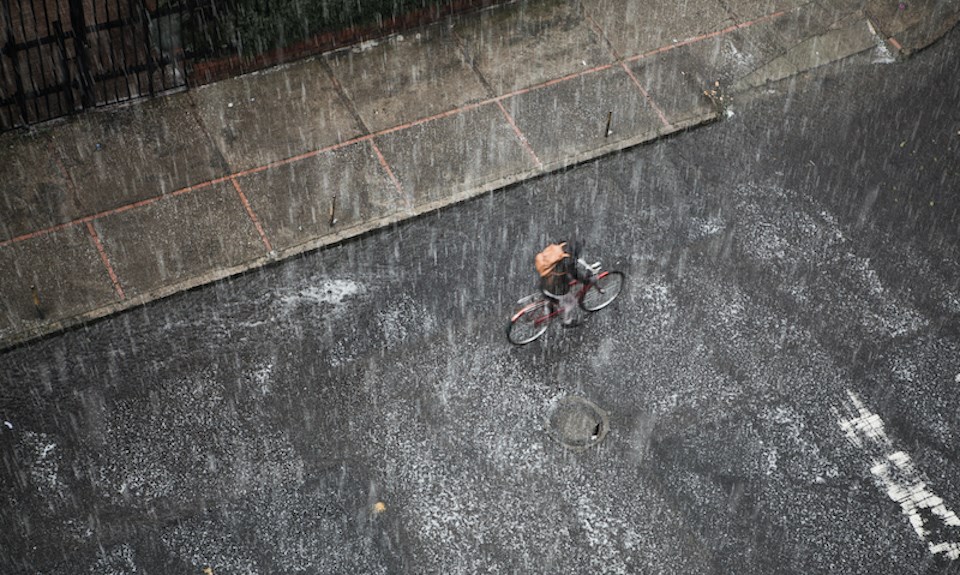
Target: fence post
(148, 44)
(10, 49)
(68, 84)
(79, 26)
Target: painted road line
(867, 424)
(895, 473)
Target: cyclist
(559, 265)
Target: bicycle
(534, 312)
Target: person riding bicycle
(558, 266)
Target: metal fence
(60, 56)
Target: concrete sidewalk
(121, 206)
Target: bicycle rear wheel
(604, 289)
(529, 323)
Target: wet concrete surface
(631, 29)
(300, 201)
(793, 286)
(97, 151)
(439, 86)
(541, 40)
(32, 157)
(580, 109)
(186, 232)
(274, 114)
(63, 279)
(453, 154)
(406, 77)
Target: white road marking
(868, 424)
(896, 474)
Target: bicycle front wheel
(529, 323)
(604, 289)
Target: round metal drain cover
(577, 423)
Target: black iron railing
(61, 56)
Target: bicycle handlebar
(594, 269)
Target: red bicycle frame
(547, 300)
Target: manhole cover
(577, 423)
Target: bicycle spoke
(529, 324)
(603, 291)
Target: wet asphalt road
(780, 378)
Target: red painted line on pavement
(486, 102)
(147, 201)
(619, 58)
(38, 233)
(572, 76)
(105, 260)
(71, 187)
(253, 216)
(390, 174)
(448, 113)
(695, 39)
(297, 158)
(663, 117)
(522, 138)
(110, 212)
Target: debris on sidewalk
(716, 98)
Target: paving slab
(179, 237)
(67, 271)
(750, 10)
(34, 191)
(531, 42)
(925, 33)
(806, 22)
(839, 8)
(293, 201)
(894, 18)
(831, 46)
(407, 77)
(569, 119)
(442, 157)
(636, 27)
(122, 155)
(275, 114)
(913, 24)
(682, 97)
(401, 126)
(677, 78)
